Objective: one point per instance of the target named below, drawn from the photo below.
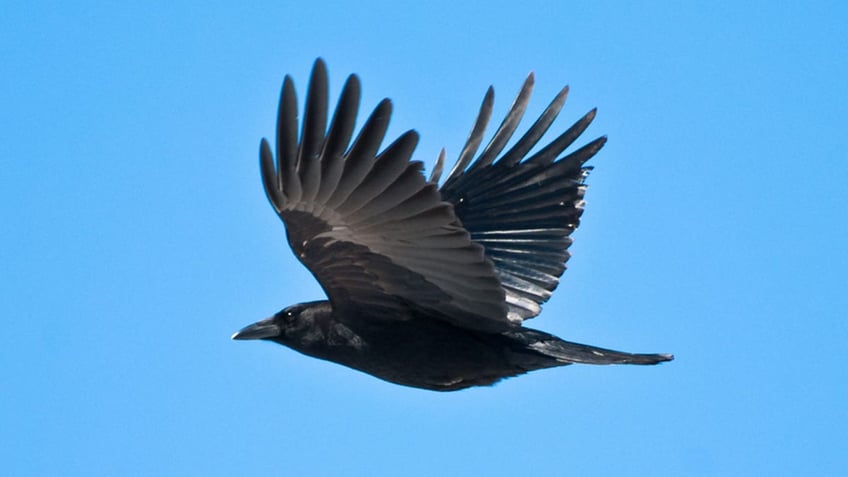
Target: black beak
(257, 331)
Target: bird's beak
(257, 331)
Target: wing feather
(508, 126)
(341, 130)
(476, 136)
(522, 209)
(360, 159)
(312, 138)
(389, 166)
(376, 235)
(287, 142)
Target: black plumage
(428, 286)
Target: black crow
(428, 285)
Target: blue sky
(137, 238)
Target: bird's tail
(568, 352)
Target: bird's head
(291, 326)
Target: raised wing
(375, 234)
(521, 209)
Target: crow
(427, 285)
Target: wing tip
(319, 64)
(436, 174)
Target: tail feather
(568, 352)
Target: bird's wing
(521, 209)
(376, 235)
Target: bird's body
(428, 285)
(421, 351)
(425, 351)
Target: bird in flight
(428, 281)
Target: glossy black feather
(504, 132)
(338, 138)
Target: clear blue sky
(136, 238)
